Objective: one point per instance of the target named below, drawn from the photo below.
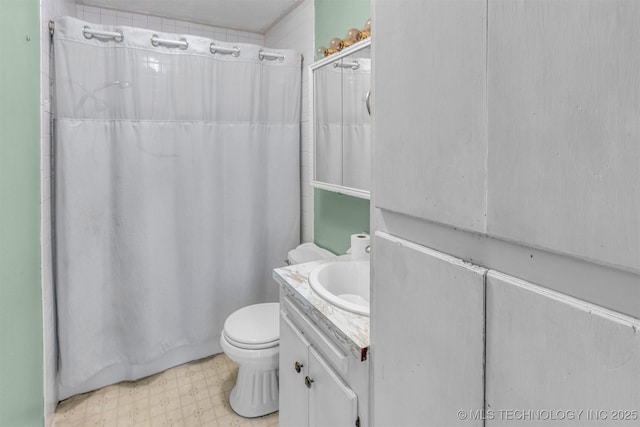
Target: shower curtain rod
(182, 43)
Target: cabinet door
(327, 112)
(294, 403)
(430, 110)
(429, 333)
(548, 351)
(356, 121)
(564, 125)
(331, 402)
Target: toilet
(251, 338)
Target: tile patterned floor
(194, 394)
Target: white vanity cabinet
(294, 365)
(313, 394)
(320, 382)
(331, 401)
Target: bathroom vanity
(324, 367)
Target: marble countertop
(352, 330)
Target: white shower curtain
(177, 193)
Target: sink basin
(344, 284)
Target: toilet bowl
(251, 339)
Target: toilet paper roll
(359, 245)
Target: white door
(556, 360)
(430, 110)
(564, 124)
(429, 335)
(294, 403)
(331, 402)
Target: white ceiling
(246, 15)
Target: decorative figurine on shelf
(353, 36)
(366, 31)
(321, 52)
(335, 45)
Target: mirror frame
(355, 192)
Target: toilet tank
(308, 252)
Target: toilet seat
(249, 346)
(254, 327)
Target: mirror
(342, 121)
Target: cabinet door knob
(307, 382)
(298, 366)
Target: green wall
(21, 380)
(336, 216)
(333, 18)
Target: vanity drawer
(318, 339)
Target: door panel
(294, 401)
(548, 351)
(430, 112)
(331, 402)
(564, 125)
(429, 336)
